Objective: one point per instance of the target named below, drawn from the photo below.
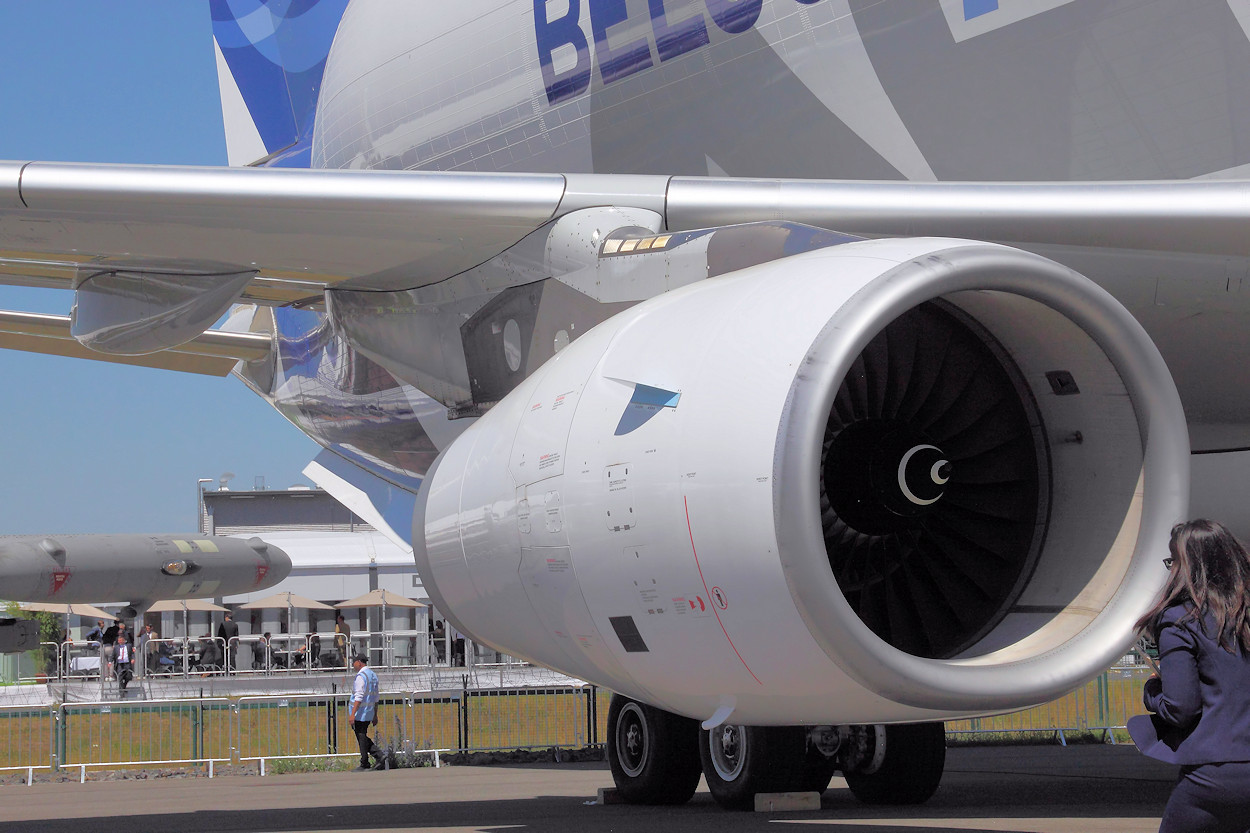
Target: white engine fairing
(667, 541)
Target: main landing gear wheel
(740, 761)
(895, 764)
(652, 753)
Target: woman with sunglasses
(1200, 700)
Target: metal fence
(260, 729)
(1103, 705)
(280, 654)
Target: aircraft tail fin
(271, 55)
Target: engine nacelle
(885, 481)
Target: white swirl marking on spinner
(934, 474)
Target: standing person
(440, 641)
(457, 648)
(123, 658)
(141, 650)
(227, 630)
(363, 710)
(108, 641)
(1200, 699)
(343, 637)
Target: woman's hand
(1152, 688)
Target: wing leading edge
(305, 230)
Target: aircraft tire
(741, 761)
(909, 770)
(652, 753)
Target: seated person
(277, 652)
(260, 652)
(210, 654)
(164, 657)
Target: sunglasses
(1167, 562)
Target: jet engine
(890, 480)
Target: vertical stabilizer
(271, 55)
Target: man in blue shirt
(363, 710)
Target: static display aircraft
(807, 372)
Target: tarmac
(1052, 789)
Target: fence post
(591, 717)
(236, 731)
(1104, 700)
(195, 733)
(62, 719)
(463, 729)
(332, 735)
(54, 738)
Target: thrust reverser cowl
(892, 480)
(131, 568)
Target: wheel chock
(786, 802)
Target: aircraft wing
(302, 230)
(166, 250)
(212, 353)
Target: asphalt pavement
(1078, 789)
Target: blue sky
(89, 446)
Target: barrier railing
(265, 728)
(409, 649)
(182, 656)
(28, 737)
(155, 732)
(257, 729)
(1102, 705)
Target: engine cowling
(890, 480)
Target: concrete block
(786, 802)
(610, 795)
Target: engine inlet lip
(963, 685)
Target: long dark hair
(1210, 575)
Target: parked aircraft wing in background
(134, 568)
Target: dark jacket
(110, 635)
(1201, 704)
(131, 653)
(227, 630)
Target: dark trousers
(125, 673)
(361, 728)
(1211, 798)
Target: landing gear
(656, 757)
(652, 753)
(882, 764)
(740, 761)
(894, 764)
